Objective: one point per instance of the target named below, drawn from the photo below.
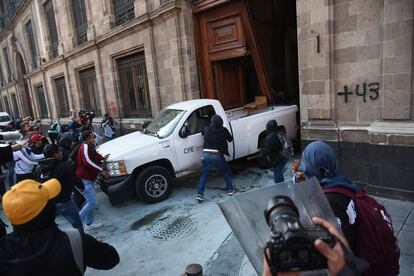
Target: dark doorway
(23, 86)
(247, 48)
(275, 26)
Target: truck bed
(247, 126)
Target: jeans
(10, 173)
(70, 212)
(278, 171)
(208, 160)
(86, 214)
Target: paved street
(161, 239)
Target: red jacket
(88, 162)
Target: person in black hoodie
(53, 167)
(272, 150)
(65, 141)
(37, 246)
(215, 147)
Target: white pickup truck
(145, 163)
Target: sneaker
(200, 198)
(231, 192)
(92, 226)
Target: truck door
(189, 141)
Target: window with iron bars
(134, 85)
(89, 89)
(81, 23)
(42, 102)
(6, 59)
(51, 21)
(6, 104)
(124, 11)
(1, 76)
(32, 45)
(15, 106)
(62, 97)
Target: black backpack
(72, 156)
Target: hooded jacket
(40, 248)
(53, 168)
(319, 160)
(88, 162)
(216, 136)
(272, 146)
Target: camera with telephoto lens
(291, 246)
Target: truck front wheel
(153, 184)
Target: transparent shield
(245, 213)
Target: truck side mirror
(183, 132)
(146, 123)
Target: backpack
(72, 156)
(375, 239)
(287, 146)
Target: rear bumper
(118, 189)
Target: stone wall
(162, 29)
(357, 92)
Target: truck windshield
(4, 118)
(165, 122)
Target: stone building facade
(357, 87)
(355, 67)
(91, 61)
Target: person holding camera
(340, 259)
(88, 165)
(108, 125)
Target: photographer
(341, 261)
(108, 125)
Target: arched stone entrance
(26, 101)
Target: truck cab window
(198, 119)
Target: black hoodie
(40, 248)
(53, 168)
(216, 136)
(272, 146)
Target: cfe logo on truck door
(192, 149)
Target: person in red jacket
(88, 166)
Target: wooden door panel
(229, 83)
(225, 33)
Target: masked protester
(215, 147)
(37, 246)
(319, 160)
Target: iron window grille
(81, 23)
(32, 45)
(62, 97)
(134, 85)
(90, 91)
(42, 102)
(124, 11)
(50, 15)
(15, 106)
(6, 59)
(6, 104)
(1, 76)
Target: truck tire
(261, 161)
(153, 184)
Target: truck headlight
(116, 168)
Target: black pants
(21, 177)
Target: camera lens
(280, 205)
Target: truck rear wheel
(153, 184)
